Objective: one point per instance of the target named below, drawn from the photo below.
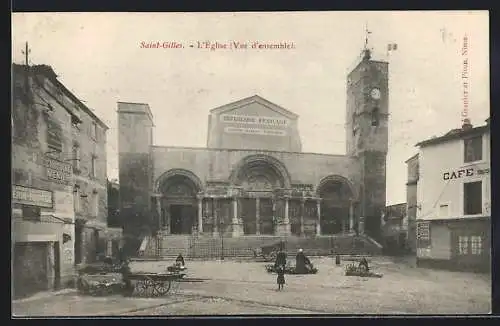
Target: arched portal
(179, 208)
(260, 176)
(266, 170)
(336, 198)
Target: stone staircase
(209, 247)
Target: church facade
(252, 178)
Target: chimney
(466, 125)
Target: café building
(454, 199)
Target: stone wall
(218, 165)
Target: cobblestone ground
(217, 306)
(403, 289)
(232, 287)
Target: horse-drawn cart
(154, 284)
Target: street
(233, 287)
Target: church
(252, 178)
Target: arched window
(375, 117)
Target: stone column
(235, 209)
(275, 226)
(236, 226)
(200, 214)
(302, 213)
(166, 211)
(318, 212)
(215, 218)
(158, 211)
(361, 224)
(351, 217)
(257, 216)
(286, 221)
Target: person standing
(302, 263)
(281, 277)
(280, 258)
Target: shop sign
(57, 171)
(423, 230)
(31, 196)
(461, 173)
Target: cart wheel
(142, 287)
(163, 287)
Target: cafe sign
(461, 173)
(31, 196)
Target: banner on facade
(255, 125)
(32, 196)
(423, 230)
(255, 120)
(255, 131)
(57, 171)
(423, 234)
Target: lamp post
(222, 239)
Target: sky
(99, 58)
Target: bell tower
(367, 115)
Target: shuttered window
(54, 136)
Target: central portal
(182, 218)
(179, 204)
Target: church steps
(210, 247)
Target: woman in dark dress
(280, 258)
(180, 260)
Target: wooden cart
(154, 284)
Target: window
(473, 198)
(443, 210)
(54, 136)
(21, 177)
(75, 122)
(76, 199)
(93, 167)
(473, 149)
(375, 117)
(463, 245)
(93, 131)
(76, 157)
(476, 245)
(31, 213)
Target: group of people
(302, 265)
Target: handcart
(154, 284)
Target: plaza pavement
(246, 287)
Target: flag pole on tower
(366, 50)
(26, 53)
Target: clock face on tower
(375, 93)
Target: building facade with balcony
(454, 200)
(59, 195)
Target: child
(281, 277)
